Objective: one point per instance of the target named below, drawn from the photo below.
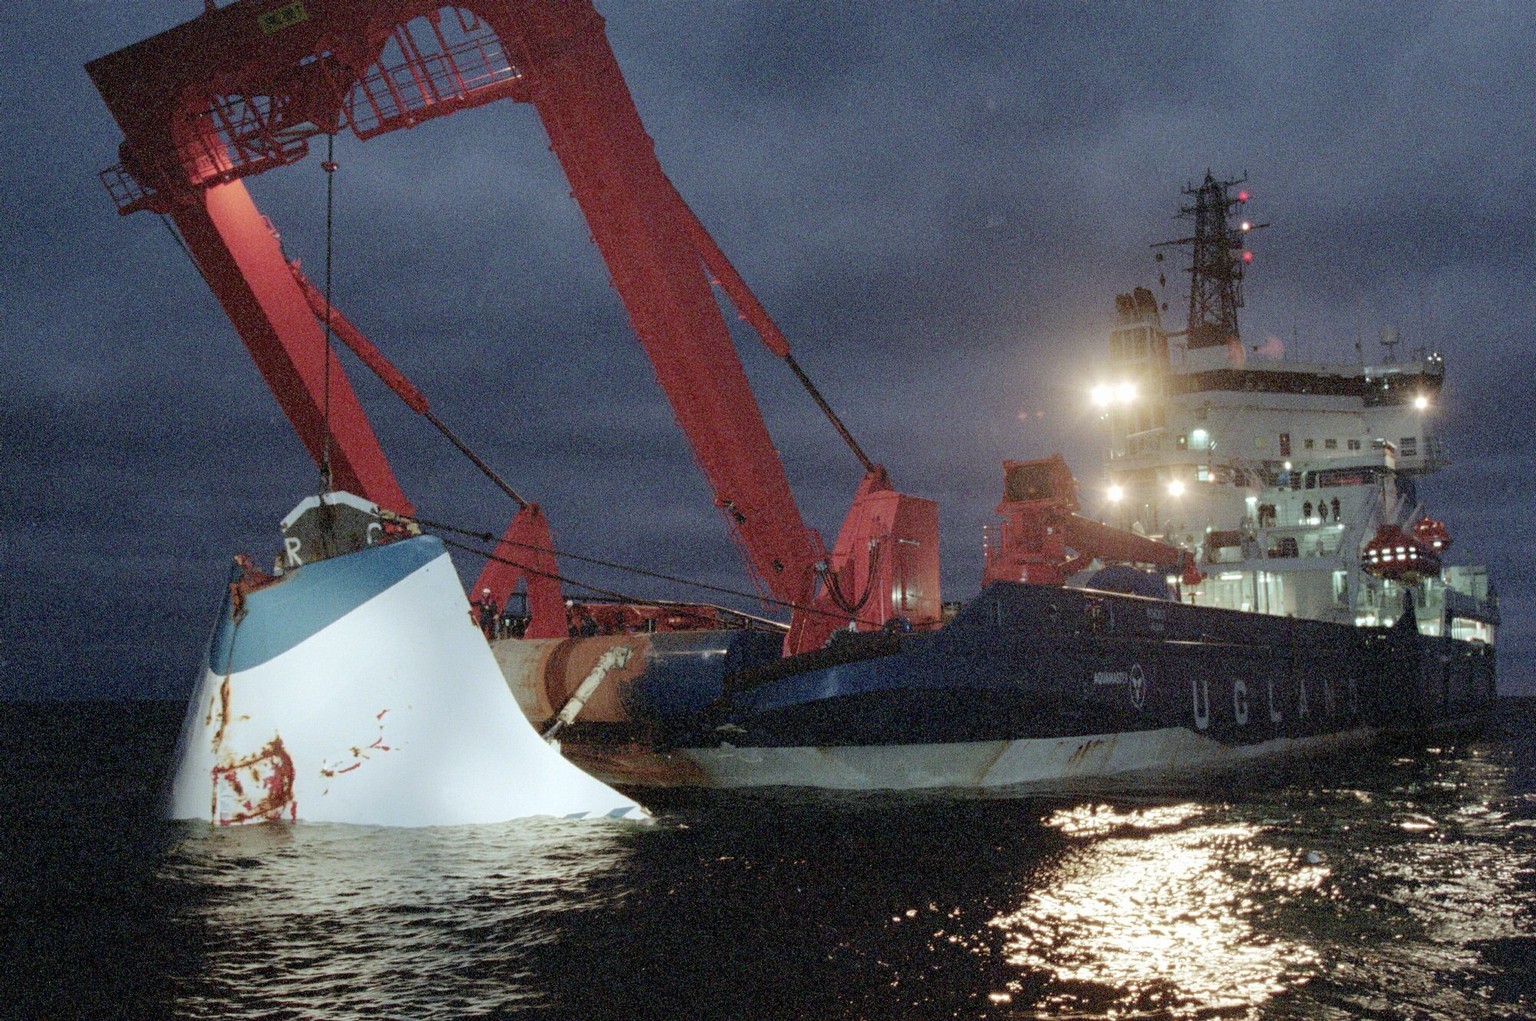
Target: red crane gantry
(243, 89)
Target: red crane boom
(243, 88)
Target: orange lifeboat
(1394, 554)
(1432, 533)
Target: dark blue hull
(1057, 679)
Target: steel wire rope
(180, 243)
(597, 562)
(329, 166)
(568, 580)
(487, 536)
(834, 589)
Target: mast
(1217, 262)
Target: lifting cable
(336, 324)
(329, 166)
(756, 316)
(826, 408)
(598, 590)
(391, 376)
(736, 290)
(594, 561)
(366, 352)
(175, 234)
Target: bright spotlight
(1115, 493)
(1421, 402)
(1176, 488)
(1102, 395)
(1125, 393)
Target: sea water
(1395, 884)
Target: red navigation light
(1247, 256)
(1242, 196)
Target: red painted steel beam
(308, 53)
(245, 268)
(641, 229)
(1041, 524)
(526, 555)
(360, 345)
(160, 91)
(1116, 545)
(304, 57)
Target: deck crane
(245, 88)
(1040, 524)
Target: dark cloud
(937, 203)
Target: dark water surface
(1393, 885)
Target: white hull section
(1063, 764)
(394, 714)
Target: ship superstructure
(1279, 475)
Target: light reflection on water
(338, 922)
(1404, 891)
(1154, 911)
(1411, 899)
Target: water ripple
(1380, 886)
(342, 922)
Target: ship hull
(1097, 762)
(356, 690)
(1032, 688)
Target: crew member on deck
(487, 608)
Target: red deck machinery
(1041, 524)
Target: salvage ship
(1258, 591)
(1287, 597)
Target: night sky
(937, 205)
